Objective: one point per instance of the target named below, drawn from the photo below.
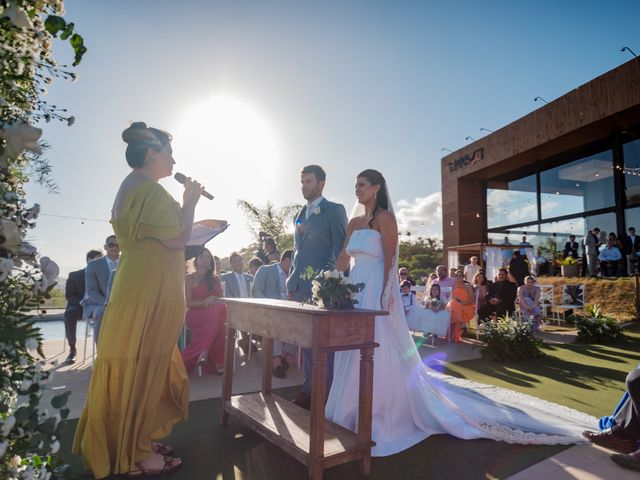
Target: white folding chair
(546, 299)
(572, 299)
(88, 326)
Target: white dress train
(412, 402)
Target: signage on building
(466, 160)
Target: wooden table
(305, 435)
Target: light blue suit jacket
(317, 243)
(96, 279)
(267, 282)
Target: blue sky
(349, 85)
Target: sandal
(171, 464)
(161, 449)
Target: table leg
(267, 350)
(318, 396)
(227, 382)
(365, 408)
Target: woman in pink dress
(205, 317)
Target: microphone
(180, 178)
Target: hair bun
(139, 133)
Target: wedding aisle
(211, 451)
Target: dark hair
(233, 255)
(110, 236)
(269, 241)
(317, 170)
(374, 177)
(255, 262)
(503, 270)
(405, 283)
(516, 253)
(140, 139)
(287, 254)
(433, 285)
(480, 272)
(208, 275)
(92, 254)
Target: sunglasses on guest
(112, 244)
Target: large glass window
(631, 152)
(632, 218)
(582, 185)
(512, 202)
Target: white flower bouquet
(330, 289)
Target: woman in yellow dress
(139, 388)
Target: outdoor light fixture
(629, 50)
(541, 99)
(482, 129)
(469, 137)
(445, 149)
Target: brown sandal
(171, 464)
(161, 449)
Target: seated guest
(403, 274)
(271, 282)
(446, 283)
(609, 257)
(462, 306)
(481, 289)
(433, 318)
(501, 298)
(74, 293)
(529, 301)
(205, 317)
(571, 248)
(518, 267)
(624, 435)
(408, 297)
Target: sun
(223, 135)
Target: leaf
(77, 42)
(53, 24)
(60, 401)
(67, 31)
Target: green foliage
(594, 327)
(29, 434)
(272, 221)
(506, 339)
(420, 257)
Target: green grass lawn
(589, 378)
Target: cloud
(421, 215)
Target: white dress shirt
(312, 205)
(112, 264)
(242, 285)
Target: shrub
(594, 327)
(508, 339)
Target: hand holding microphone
(183, 179)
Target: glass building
(562, 170)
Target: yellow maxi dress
(139, 388)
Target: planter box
(569, 270)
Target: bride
(410, 401)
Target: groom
(319, 235)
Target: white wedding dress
(411, 401)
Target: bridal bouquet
(331, 289)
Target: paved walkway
(581, 462)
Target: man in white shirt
(96, 279)
(609, 257)
(237, 284)
(471, 269)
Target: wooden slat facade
(596, 112)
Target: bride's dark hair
(374, 177)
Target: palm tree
(268, 219)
